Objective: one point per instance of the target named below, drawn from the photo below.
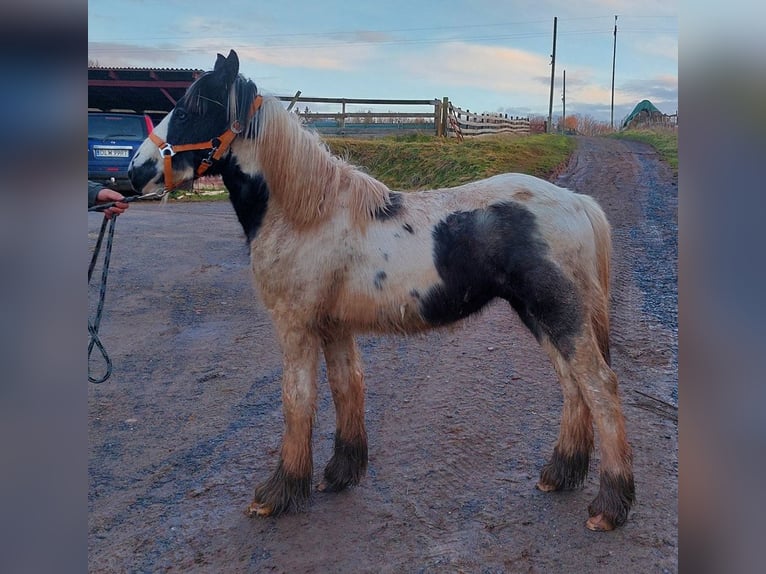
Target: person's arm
(93, 189)
(99, 194)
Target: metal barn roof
(144, 90)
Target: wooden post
(445, 116)
(564, 105)
(343, 114)
(295, 99)
(549, 125)
(614, 59)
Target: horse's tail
(602, 236)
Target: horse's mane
(304, 177)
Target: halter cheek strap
(217, 146)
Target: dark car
(113, 138)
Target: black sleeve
(93, 189)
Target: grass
(425, 162)
(214, 193)
(665, 141)
(413, 162)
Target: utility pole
(614, 59)
(553, 74)
(564, 104)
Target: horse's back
(562, 217)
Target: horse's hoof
(542, 486)
(258, 509)
(599, 523)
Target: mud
(460, 421)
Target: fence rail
(472, 124)
(445, 119)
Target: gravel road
(459, 421)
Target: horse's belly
(385, 307)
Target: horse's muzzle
(143, 175)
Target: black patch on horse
(201, 114)
(391, 209)
(140, 175)
(249, 195)
(380, 276)
(498, 252)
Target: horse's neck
(306, 180)
(299, 173)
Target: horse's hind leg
(289, 487)
(590, 392)
(568, 466)
(598, 385)
(344, 371)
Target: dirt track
(459, 421)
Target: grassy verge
(665, 141)
(430, 162)
(426, 162)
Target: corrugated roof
(145, 69)
(153, 90)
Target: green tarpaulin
(642, 106)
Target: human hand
(107, 195)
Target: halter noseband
(217, 146)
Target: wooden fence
(466, 123)
(443, 120)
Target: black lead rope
(94, 325)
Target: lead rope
(94, 325)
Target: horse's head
(196, 134)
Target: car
(113, 138)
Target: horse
(335, 253)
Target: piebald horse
(335, 253)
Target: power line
(356, 42)
(354, 36)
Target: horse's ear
(228, 67)
(220, 62)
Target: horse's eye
(180, 115)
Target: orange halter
(217, 146)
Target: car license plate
(111, 152)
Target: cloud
(505, 70)
(334, 57)
(660, 8)
(523, 77)
(659, 47)
(120, 55)
(365, 36)
(657, 89)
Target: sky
(484, 55)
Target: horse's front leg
(344, 372)
(289, 487)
